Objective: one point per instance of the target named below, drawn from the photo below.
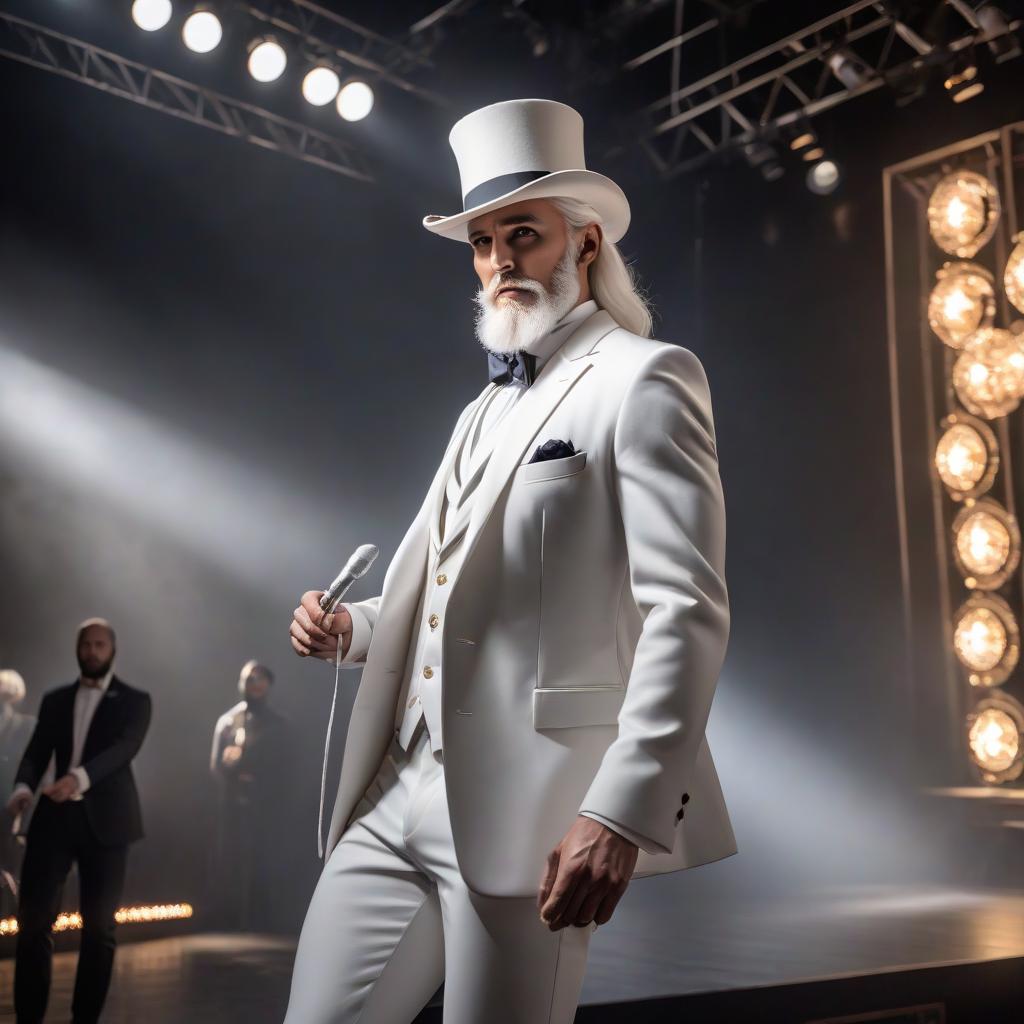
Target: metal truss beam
(785, 83)
(40, 47)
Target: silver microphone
(355, 567)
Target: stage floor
(229, 978)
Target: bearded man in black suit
(88, 732)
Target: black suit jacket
(115, 735)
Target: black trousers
(58, 835)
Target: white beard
(510, 325)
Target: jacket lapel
(447, 465)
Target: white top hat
(526, 149)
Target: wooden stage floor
(228, 978)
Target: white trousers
(391, 918)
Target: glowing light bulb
(267, 60)
(151, 15)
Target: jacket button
(428, 671)
(686, 797)
(433, 620)
(442, 579)
(679, 815)
(412, 700)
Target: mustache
(527, 285)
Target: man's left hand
(63, 789)
(586, 875)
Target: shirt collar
(544, 348)
(105, 681)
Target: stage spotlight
(320, 85)
(1013, 275)
(963, 212)
(966, 456)
(986, 639)
(823, 177)
(355, 100)
(151, 15)
(962, 83)
(848, 68)
(993, 20)
(994, 737)
(962, 301)
(267, 59)
(202, 31)
(813, 154)
(986, 544)
(989, 375)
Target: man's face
(256, 686)
(529, 271)
(95, 652)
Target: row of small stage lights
(202, 32)
(126, 915)
(987, 377)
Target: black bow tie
(503, 366)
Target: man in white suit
(564, 580)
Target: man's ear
(591, 244)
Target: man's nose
(501, 258)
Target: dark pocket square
(553, 449)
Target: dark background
(221, 370)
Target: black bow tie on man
(503, 366)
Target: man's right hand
(18, 803)
(314, 633)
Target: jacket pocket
(560, 707)
(551, 469)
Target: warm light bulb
(962, 212)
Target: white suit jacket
(585, 629)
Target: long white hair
(613, 283)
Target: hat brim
(588, 186)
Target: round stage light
(355, 100)
(202, 31)
(994, 730)
(986, 544)
(1013, 276)
(823, 177)
(986, 639)
(989, 374)
(267, 59)
(967, 456)
(962, 212)
(320, 85)
(962, 301)
(151, 15)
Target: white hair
(613, 283)
(12, 686)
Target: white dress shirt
(484, 433)
(87, 700)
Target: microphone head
(362, 558)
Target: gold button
(442, 578)
(428, 671)
(412, 700)
(433, 620)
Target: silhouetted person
(89, 731)
(248, 759)
(15, 730)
